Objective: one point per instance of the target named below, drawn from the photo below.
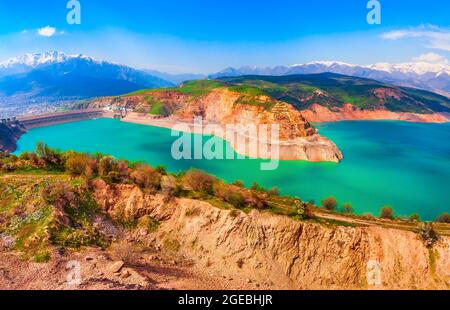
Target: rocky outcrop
(10, 132)
(318, 113)
(289, 254)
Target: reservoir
(405, 165)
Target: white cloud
(47, 31)
(432, 36)
(432, 58)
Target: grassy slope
(28, 215)
(249, 94)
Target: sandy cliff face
(287, 254)
(318, 113)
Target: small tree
(443, 218)
(146, 177)
(106, 165)
(387, 212)
(347, 208)
(329, 203)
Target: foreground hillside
(132, 226)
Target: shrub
(347, 208)
(254, 200)
(146, 177)
(387, 212)
(60, 194)
(51, 158)
(198, 180)
(106, 165)
(80, 164)
(428, 234)
(329, 203)
(236, 199)
(443, 218)
(229, 193)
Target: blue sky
(209, 35)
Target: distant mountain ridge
(428, 76)
(55, 77)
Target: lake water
(406, 165)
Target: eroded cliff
(285, 253)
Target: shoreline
(314, 148)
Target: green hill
(334, 90)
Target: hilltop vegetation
(250, 95)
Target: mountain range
(424, 75)
(55, 77)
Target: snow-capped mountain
(31, 61)
(429, 76)
(55, 74)
(35, 59)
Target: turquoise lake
(406, 165)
